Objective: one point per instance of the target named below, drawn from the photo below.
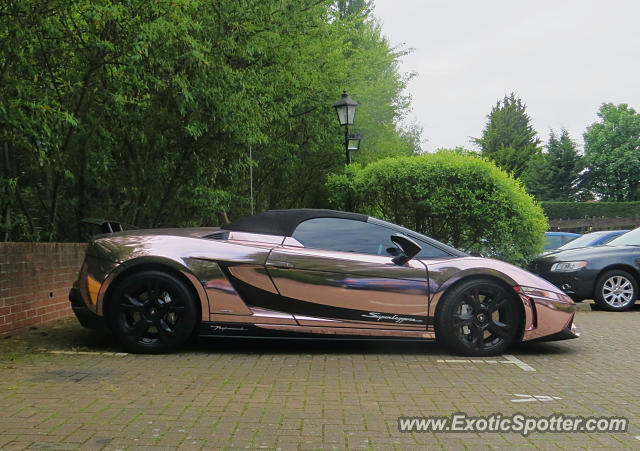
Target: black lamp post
(346, 109)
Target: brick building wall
(35, 279)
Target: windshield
(582, 241)
(628, 239)
(555, 241)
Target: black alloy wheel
(152, 312)
(478, 317)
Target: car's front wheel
(152, 312)
(478, 317)
(616, 290)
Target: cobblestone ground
(64, 387)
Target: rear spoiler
(106, 225)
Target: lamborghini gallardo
(310, 273)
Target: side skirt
(220, 329)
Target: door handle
(279, 264)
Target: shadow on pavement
(69, 336)
(315, 346)
(545, 348)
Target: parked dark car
(591, 239)
(310, 273)
(607, 274)
(554, 240)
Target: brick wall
(35, 279)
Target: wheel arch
(454, 282)
(154, 263)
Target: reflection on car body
(310, 273)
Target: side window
(344, 235)
(347, 235)
(429, 251)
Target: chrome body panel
(304, 320)
(218, 287)
(383, 293)
(255, 275)
(349, 331)
(196, 258)
(187, 232)
(255, 238)
(547, 310)
(349, 262)
(552, 313)
(155, 262)
(273, 283)
(257, 315)
(290, 241)
(124, 248)
(92, 279)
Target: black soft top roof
(284, 222)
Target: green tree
(346, 8)
(612, 153)
(291, 170)
(457, 198)
(555, 174)
(508, 138)
(145, 111)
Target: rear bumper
(86, 317)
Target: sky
(563, 58)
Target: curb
(585, 306)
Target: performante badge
(223, 328)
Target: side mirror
(408, 247)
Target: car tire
(478, 317)
(152, 312)
(616, 290)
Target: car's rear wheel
(152, 312)
(616, 290)
(478, 317)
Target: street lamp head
(354, 143)
(346, 109)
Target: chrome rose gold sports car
(310, 273)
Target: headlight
(568, 266)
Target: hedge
(459, 199)
(579, 210)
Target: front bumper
(86, 317)
(569, 332)
(548, 315)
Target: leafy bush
(578, 210)
(459, 199)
